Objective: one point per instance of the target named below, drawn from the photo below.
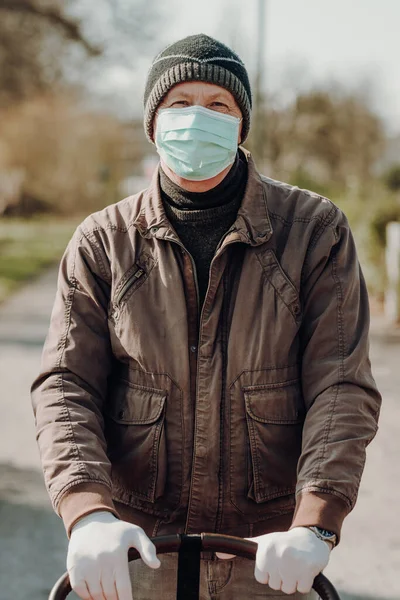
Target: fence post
(392, 294)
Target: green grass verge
(28, 247)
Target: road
(366, 565)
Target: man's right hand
(97, 559)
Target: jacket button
(154, 230)
(201, 451)
(296, 309)
(193, 349)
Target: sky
(306, 43)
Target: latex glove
(97, 560)
(289, 560)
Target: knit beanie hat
(197, 58)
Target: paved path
(366, 566)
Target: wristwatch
(325, 535)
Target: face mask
(195, 142)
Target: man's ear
(240, 133)
(154, 124)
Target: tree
(51, 13)
(27, 29)
(70, 159)
(37, 38)
(331, 137)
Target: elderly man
(206, 367)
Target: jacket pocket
(128, 284)
(135, 434)
(274, 417)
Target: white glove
(289, 560)
(97, 560)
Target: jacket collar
(252, 225)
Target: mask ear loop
(240, 141)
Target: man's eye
(180, 103)
(219, 106)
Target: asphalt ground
(365, 566)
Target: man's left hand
(289, 560)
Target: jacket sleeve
(340, 394)
(69, 393)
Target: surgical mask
(195, 142)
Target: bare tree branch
(70, 28)
(45, 44)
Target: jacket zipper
(196, 284)
(135, 276)
(224, 348)
(201, 315)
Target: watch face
(326, 533)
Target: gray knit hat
(197, 58)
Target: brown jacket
(251, 417)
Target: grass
(30, 246)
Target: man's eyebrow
(222, 95)
(182, 94)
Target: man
(206, 367)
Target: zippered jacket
(248, 417)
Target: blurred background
(326, 85)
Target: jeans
(219, 580)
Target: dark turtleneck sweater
(201, 219)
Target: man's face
(199, 93)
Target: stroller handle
(193, 544)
